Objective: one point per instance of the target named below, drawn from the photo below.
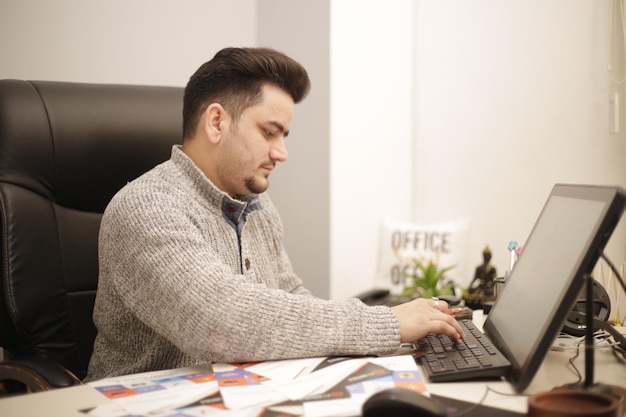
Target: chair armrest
(38, 374)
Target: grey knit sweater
(176, 287)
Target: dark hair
(234, 77)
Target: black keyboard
(472, 358)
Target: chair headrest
(77, 143)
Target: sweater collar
(233, 209)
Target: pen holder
(498, 286)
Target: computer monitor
(561, 250)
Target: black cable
(573, 365)
(617, 275)
(617, 351)
(619, 354)
(488, 389)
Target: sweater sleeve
(162, 262)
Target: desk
(553, 372)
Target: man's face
(251, 148)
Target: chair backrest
(65, 150)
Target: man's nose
(278, 152)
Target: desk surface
(554, 372)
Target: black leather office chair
(65, 150)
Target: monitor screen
(562, 248)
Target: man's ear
(215, 122)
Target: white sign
(444, 244)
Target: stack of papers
(313, 387)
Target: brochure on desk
(314, 387)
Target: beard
(254, 186)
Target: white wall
(511, 98)
(118, 41)
(508, 99)
(372, 52)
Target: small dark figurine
(482, 288)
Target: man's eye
(270, 133)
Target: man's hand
(424, 315)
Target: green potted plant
(427, 280)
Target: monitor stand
(590, 325)
(586, 395)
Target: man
(192, 263)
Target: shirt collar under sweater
(234, 211)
